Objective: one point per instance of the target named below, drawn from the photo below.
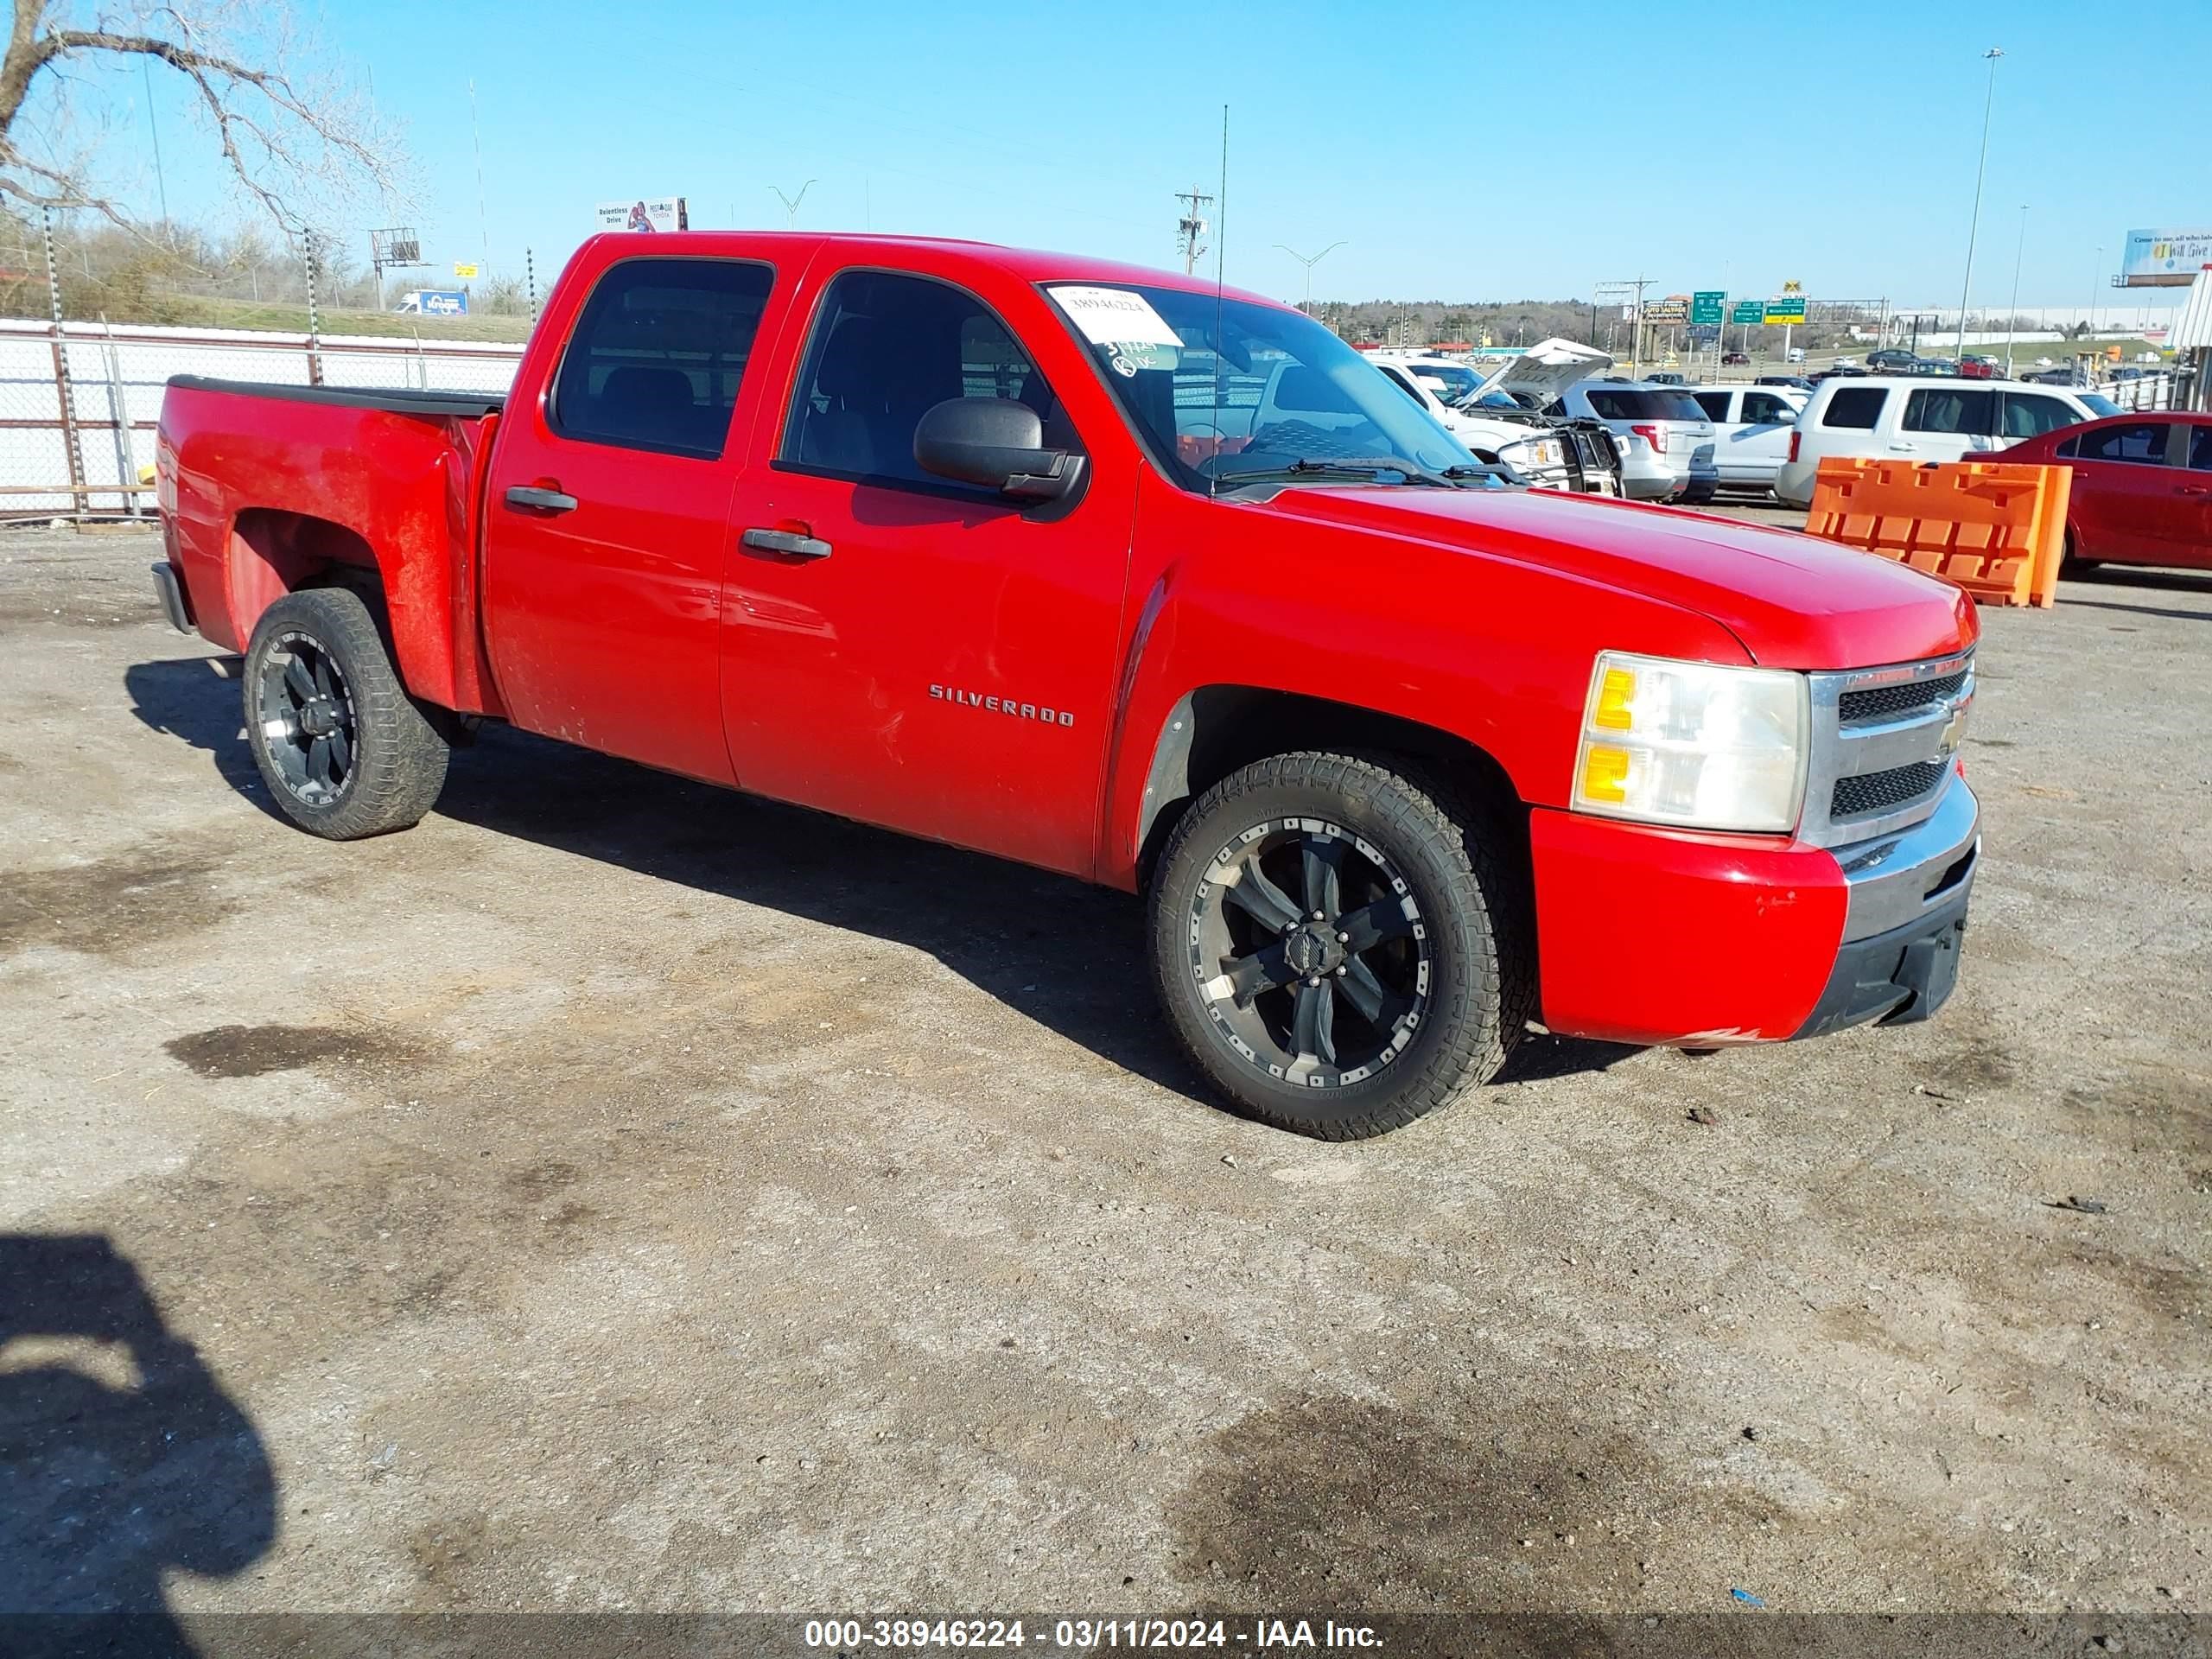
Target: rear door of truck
(607, 520)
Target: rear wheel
(345, 751)
(1336, 945)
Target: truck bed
(396, 400)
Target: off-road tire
(1468, 885)
(399, 757)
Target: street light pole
(1309, 264)
(2012, 317)
(1973, 225)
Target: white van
(1921, 418)
(1751, 427)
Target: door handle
(530, 498)
(792, 541)
(2193, 489)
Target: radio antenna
(1220, 260)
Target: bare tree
(297, 142)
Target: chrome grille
(1872, 792)
(1883, 702)
(1883, 749)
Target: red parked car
(2142, 491)
(1980, 368)
(1104, 570)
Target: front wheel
(345, 751)
(1339, 942)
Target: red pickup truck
(1100, 570)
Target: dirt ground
(614, 1194)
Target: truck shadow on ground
(121, 1456)
(1066, 954)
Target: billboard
(2165, 258)
(435, 302)
(1675, 310)
(645, 214)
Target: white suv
(1665, 440)
(1921, 418)
(1752, 424)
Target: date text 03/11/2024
(848, 1635)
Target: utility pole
(1973, 225)
(790, 203)
(2013, 316)
(1309, 263)
(476, 137)
(1191, 226)
(1636, 285)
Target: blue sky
(1473, 151)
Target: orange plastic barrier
(1998, 531)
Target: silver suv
(1666, 441)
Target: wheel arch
(1213, 730)
(273, 551)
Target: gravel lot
(617, 1194)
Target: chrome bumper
(1898, 878)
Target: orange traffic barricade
(1998, 531)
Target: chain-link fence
(81, 393)
(79, 402)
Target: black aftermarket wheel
(1335, 945)
(345, 751)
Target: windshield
(1452, 384)
(2101, 404)
(1225, 391)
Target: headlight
(1534, 452)
(1693, 744)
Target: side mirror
(997, 444)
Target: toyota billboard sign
(645, 214)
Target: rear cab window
(1855, 408)
(1715, 405)
(659, 353)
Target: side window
(658, 355)
(1715, 405)
(1764, 409)
(2067, 450)
(2030, 415)
(2200, 449)
(2139, 440)
(1952, 409)
(1856, 407)
(1609, 406)
(886, 349)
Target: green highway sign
(1749, 311)
(1705, 308)
(1791, 309)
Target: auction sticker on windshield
(1124, 323)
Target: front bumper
(1654, 936)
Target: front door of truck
(605, 535)
(901, 649)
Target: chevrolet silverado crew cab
(1043, 556)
